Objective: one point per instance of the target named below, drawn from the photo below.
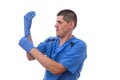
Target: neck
(64, 39)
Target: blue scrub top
(71, 55)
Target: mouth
(57, 29)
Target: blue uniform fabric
(71, 55)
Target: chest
(55, 52)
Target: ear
(71, 25)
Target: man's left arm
(51, 65)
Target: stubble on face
(62, 27)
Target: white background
(98, 25)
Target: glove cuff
(30, 48)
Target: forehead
(60, 18)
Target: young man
(62, 56)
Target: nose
(56, 25)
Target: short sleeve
(74, 58)
(42, 47)
(46, 46)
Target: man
(62, 56)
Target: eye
(59, 22)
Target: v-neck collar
(59, 48)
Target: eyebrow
(59, 21)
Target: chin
(57, 35)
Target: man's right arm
(27, 25)
(29, 56)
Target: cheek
(65, 30)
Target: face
(62, 27)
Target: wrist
(27, 33)
(32, 50)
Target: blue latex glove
(26, 44)
(27, 22)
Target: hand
(27, 22)
(26, 44)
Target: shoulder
(51, 38)
(46, 43)
(79, 41)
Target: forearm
(48, 63)
(29, 56)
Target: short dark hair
(68, 15)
